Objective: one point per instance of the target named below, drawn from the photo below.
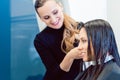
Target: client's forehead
(82, 34)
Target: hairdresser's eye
(46, 17)
(55, 12)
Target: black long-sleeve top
(48, 46)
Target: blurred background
(23, 60)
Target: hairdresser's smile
(56, 22)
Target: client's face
(83, 45)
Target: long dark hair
(101, 35)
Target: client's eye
(76, 43)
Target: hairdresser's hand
(75, 53)
(69, 58)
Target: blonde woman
(59, 64)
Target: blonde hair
(69, 33)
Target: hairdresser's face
(51, 13)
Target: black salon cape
(48, 45)
(111, 71)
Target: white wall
(113, 16)
(84, 10)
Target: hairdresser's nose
(53, 19)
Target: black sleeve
(53, 70)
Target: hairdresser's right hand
(75, 53)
